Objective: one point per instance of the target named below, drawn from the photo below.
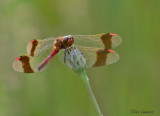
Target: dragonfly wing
(95, 57)
(105, 40)
(29, 64)
(36, 47)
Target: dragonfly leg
(67, 50)
(72, 47)
(65, 55)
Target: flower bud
(77, 60)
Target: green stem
(92, 97)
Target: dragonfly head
(68, 41)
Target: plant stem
(92, 97)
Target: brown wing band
(34, 44)
(101, 58)
(26, 65)
(106, 39)
(102, 54)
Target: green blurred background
(131, 83)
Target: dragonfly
(97, 50)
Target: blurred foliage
(131, 83)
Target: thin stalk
(92, 97)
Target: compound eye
(65, 39)
(70, 42)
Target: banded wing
(105, 40)
(37, 50)
(95, 57)
(36, 47)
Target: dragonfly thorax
(63, 42)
